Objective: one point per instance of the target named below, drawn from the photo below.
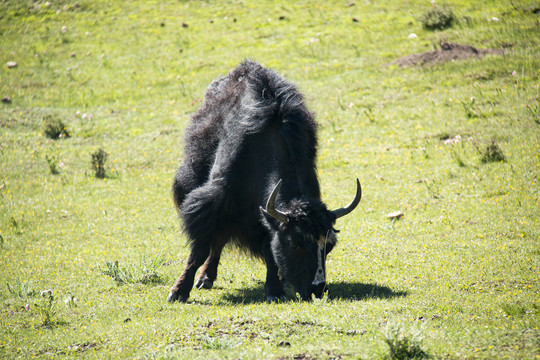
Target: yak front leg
(273, 288)
(181, 289)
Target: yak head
(302, 236)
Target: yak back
(252, 129)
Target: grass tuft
(98, 163)
(438, 18)
(492, 153)
(218, 342)
(143, 272)
(54, 164)
(47, 308)
(403, 345)
(21, 289)
(55, 128)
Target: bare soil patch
(447, 52)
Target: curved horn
(347, 209)
(271, 206)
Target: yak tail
(185, 181)
(201, 212)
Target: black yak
(249, 177)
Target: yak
(249, 178)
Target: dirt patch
(447, 52)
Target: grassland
(457, 275)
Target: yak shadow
(359, 291)
(337, 291)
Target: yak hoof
(175, 296)
(275, 299)
(204, 283)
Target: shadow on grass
(342, 291)
(358, 291)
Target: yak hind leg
(209, 269)
(181, 289)
(198, 211)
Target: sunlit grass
(455, 147)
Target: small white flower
(70, 301)
(412, 36)
(514, 73)
(46, 292)
(64, 29)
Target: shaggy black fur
(252, 130)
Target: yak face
(301, 258)
(302, 236)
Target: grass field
(455, 147)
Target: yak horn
(347, 209)
(271, 206)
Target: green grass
(459, 271)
